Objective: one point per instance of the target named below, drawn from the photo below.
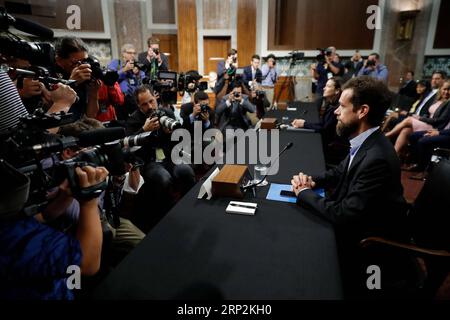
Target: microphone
(32, 28)
(252, 185)
(100, 136)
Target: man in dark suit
(199, 110)
(252, 73)
(153, 59)
(368, 195)
(408, 88)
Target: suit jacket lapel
(344, 182)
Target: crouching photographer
(160, 174)
(42, 257)
(232, 112)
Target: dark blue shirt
(34, 260)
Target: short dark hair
(255, 56)
(200, 95)
(372, 92)
(271, 56)
(141, 89)
(231, 52)
(194, 74)
(410, 71)
(375, 54)
(84, 124)
(153, 40)
(441, 72)
(67, 45)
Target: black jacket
(185, 111)
(367, 198)
(158, 138)
(142, 58)
(440, 117)
(409, 89)
(248, 76)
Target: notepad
(275, 189)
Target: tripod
(289, 81)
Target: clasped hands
(302, 181)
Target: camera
(190, 82)
(323, 53)
(165, 120)
(236, 94)
(204, 108)
(370, 63)
(260, 94)
(109, 77)
(156, 51)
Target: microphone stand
(254, 185)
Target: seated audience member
(110, 98)
(162, 177)
(368, 195)
(231, 112)
(374, 68)
(327, 124)
(269, 77)
(408, 87)
(422, 145)
(439, 117)
(35, 258)
(423, 90)
(252, 74)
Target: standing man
(269, 77)
(374, 68)
(153, 59)
(252, 73)
(327, 67)
(368, 195)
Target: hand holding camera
(128, 66)
(81, 73)
(151, 124)
(197, 110)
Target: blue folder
(275, 189)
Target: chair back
(430, 213)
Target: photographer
(154, 60)
(40, 255)
(199, 110)
(252, 74)
(269, 77)
(110, 99)
(231, 112)
(70, 52)
(227, 66)
(258, 98)
(192, 78)
(326, 68)
(63, 210)
(162, 177)
(374, 68)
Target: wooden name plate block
(269, 123)
(229, 180)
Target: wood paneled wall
(312, 24)
(169, 44)
(214, 47)
(217, 14)
(246, 31)
(187, 36)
